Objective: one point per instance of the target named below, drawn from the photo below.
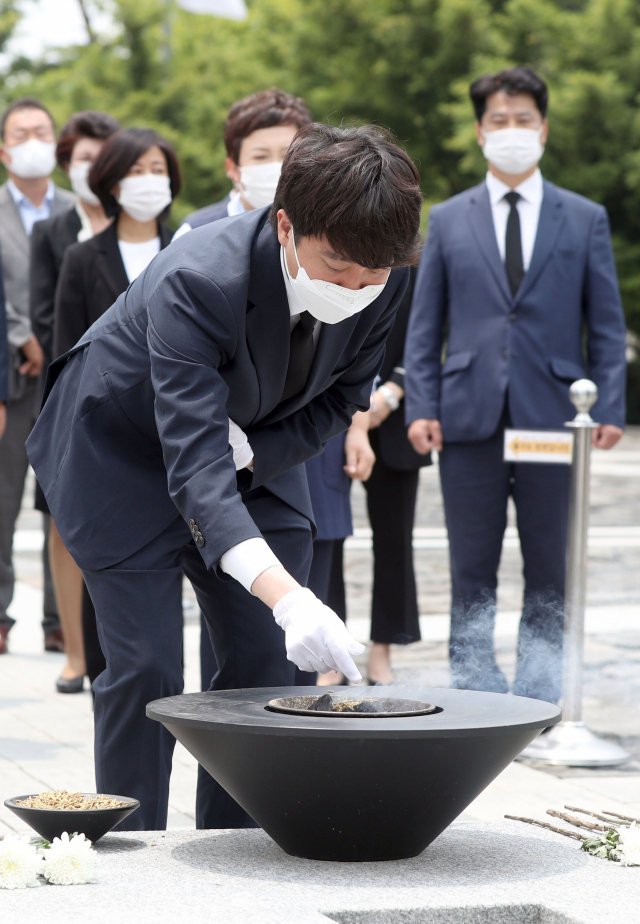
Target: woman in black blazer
(80, 142)
(95, 272)
(135, 177)
(391, 500)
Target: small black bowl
(93, 823)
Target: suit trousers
(138, 606)
(21, 415)
(476, 485)
(391, 503)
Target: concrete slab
(473, 874)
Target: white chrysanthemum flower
(630, 845)
(19, 863)
(69, 860)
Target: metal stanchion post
(571, 743)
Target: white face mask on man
(258, 183)
(513, 150)
(327, 301)
(32, 159)
(79, 176)
(145, 197)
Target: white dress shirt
(528, 206)
(247, 560)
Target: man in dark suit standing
(174, 434)
(518, 275)
(257, 135)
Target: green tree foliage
(405, 64)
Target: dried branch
(578, 822)
(573, 808)
(543, 824)
(624, 817)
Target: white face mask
(78, 174)
(258, 183)
(32, 159)
(145, 197)
(513, 150)
(326, 301)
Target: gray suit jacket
(15, 253)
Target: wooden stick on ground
(543, 824)
(573, 808)
(624, 817)
(578, 822)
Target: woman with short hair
(136, 177)
(80, 142)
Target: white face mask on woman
(326, 301)
(145, 197)
(32, 159)
(259, 183)
(513, 150)
(79, 176)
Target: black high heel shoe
(70, 685)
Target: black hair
(263, 109)
(89, 124)
(118, 155)
(26, 102)
(357, 188)
(514, 80)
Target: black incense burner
(354, 787)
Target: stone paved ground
(46, 738)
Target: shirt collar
(235, 206)
(20, 199)
(531, 189)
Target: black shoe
(70, 685)
(54, 641)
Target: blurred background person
(81, 140)
(257, 135)
(28, 154)
(521, 276)
(135, 176)
(379, 454)
(392, 492)
(347, 456)
(4, 379)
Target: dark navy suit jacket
(530, 345)
(136, 419)
(209, 213)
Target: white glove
(316, 639)
(242, 451)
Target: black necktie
(513, 245)
(300, 356)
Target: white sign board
(538, 446)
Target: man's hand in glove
(316, 638)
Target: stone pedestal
(472, 874)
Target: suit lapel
(481, 221)
(551, 220)
(268, 326)
(12, 220)
(109, 263)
